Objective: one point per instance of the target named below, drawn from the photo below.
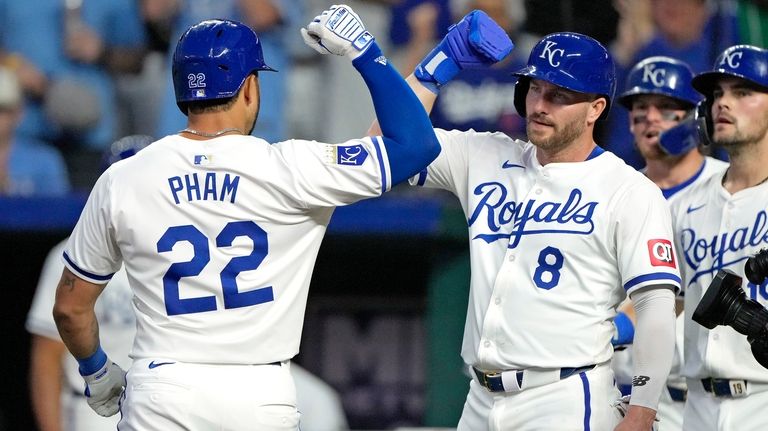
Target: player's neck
(748, 167)
(576, 151)
(208, 126)
(670, 172)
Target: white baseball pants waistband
(520, 380)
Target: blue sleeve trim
(422, 177)
(625, 330)
(380, 157)
(90, 275)
(92, 363)
(658, 276)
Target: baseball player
(719, 224)
(218, 232)
(658, 97)
(560, 233)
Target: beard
(734, 141)
(561, 137)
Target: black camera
(725, 303)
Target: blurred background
(388, 297)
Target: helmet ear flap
(521, 91)
(703, 118)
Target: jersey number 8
(232, 297)
(547, 274)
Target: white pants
(706, 412)
(580, 402)
(184, 396)
(670, 413)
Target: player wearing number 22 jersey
(218, 232)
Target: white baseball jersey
(717, 230)
(219, 239)
(554, 249)
(117, 325)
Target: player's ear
(596, 107)
(250, 89)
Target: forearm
(654, 344)
(425, 96)
(45, 381)
(411, 142)
(74, 314)
(392, 98)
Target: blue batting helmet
(741, 61)
(660, 75)
(569, 60)
(212, 60)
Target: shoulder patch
(661, 253)
(347, 155)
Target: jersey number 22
(232, 297)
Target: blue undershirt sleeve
(408, 134)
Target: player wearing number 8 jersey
(218, 232)
(560, 232)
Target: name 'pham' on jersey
(208, 186)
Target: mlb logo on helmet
(661, 253)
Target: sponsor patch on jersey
(350, 155)
(661, 253)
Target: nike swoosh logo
(693, 208)
(508, 165)
(153, 365)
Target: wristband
(93, 363)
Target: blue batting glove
(624, 331)
(473, 42)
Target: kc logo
(655, 76)
(660, 252)
(732, 59)
(549, 53)
(351, 155)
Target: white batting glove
(337, 31)
(104, 387)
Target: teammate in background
(55, 385)
(560, 233)
(218, 232)
(658, 96)
(719, 224)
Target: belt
(677, 394)
(518, 380)
(725, 387)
